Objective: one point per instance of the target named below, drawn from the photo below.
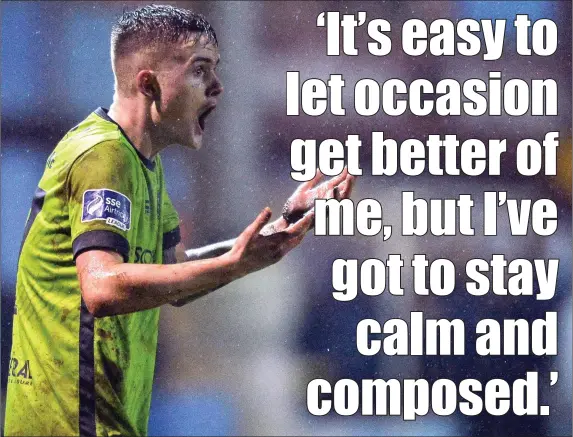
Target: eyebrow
(205, 59)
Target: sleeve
(101, 199)
(171, 231)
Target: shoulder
(105, 164)
(95, 142)
(107, 155)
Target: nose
(215, 89)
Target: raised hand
(254, 250)
(302, 200)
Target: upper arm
(100, 192)
(101, 187)
(94, 275)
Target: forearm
(202, 253)
(218, 249)
(124, 287)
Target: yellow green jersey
(71, 373)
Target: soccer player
(87, 309)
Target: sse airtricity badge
(108, 205)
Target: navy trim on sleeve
(101, 240)
(171, 238)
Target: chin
(195, 143)
(190, 141)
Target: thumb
(257, 225)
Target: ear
(147, 84)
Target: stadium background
(238, 361)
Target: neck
(135, 121)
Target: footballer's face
(189, 92)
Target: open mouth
(203, 116)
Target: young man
(86, 316)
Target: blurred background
(238, 361)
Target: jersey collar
(102, 113)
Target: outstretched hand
(302, 200)
(254, 250)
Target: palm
(302, 200)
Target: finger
(257, 225)
(306, 224)
(313, 182)
(336, 193)
(324, 190)
(337, 179)
(350, 182)
(346, 187)
(303, 225)
(342, 189)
